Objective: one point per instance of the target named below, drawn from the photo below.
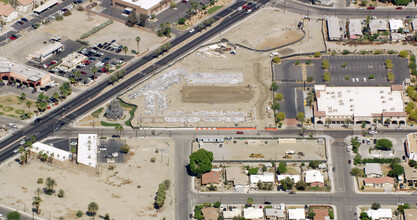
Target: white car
(192, 30)
(16, 150)
(73, 143)
(103, 148)
(273, 54)
(12, 125)
(115, 154)
(348, 148)
(22, 142)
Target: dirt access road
(216, 94)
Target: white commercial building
(378, 25)
(47, 51)
(58, 154)
(147, 7)
(359, 104)
(253, 213)
(87, 149)
(395, 25)
(355, 29)
(379, 214)
(333, 28)
(296, 178)
(47, 5)
(296, 214)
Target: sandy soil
(116, 192)
(216, 94)
(278, 38)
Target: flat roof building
(379, 214)
(87, 149)
(314, 178)
(23, 74)
(410, 214)
(411, 146)
(414, 24)
(209, 213)
(236, 175)
(395, 25)
(410, 174)
(147, 7)
(355, 29)
(47, 51)
(358, 104)
(296, 178)
(296, 214)
(373, 170)
(333, 28)
(264, 178)
(378, 25)
(253, 213)
(55, 155)
(71, 61)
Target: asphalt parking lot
(112, 146)
(358, 67)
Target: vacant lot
(216, 94)
(125, 192)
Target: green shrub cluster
(97, 29)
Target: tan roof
(25, 2)
(6, 9)
(209, 213)
(382, 180)
(321, 214)
(397, 87)
(236, 175)
(318, 113)
(394, 114)
(210, 177)
(410, 173)
(410, 214)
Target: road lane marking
(11, 143)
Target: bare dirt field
(216, 94)
(126, 192)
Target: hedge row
(97, 29)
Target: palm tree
(73, 150)
(249, 201)
(51, 157)
(118, 128)
(94, 69)
(50, 184)
(28, 104)
(37, 203)
(92, 208)
(77, 74)
(38, 192)
(125, 49)
(55, 96)
(328, 122)
(137, 42)
(23, 158)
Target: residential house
(235, 175)
(321, 214)
(7, 12)
(355, 29)
(410, 214)
(314, 178)
(373, 170)
(212, 177)
(296, 214)
(230, 215)
(296, 178)
(264, 178)
(414, 24)
(385, 181)
(253, 213)
(410, 174)
(395, 25)
(274, 214)
(378, 25)
(210, 213)
(25, 5)
(333, 28)
(381, 214)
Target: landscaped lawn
(214, 9)
(12, 106)
(5, 1)
(96, 113)
(131, 111)
(106, 124)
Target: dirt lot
(216, 94)
(270, 149)
(127, 192)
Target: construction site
(263, 150)
(230, 89)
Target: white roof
(355, 27)
(296, 214)
(45, 6)
(378, 25)
(87, 149)
(296, 178)
(395, 24)
(253, 213)
(59, 154)
(414, 23)
(359, 101)
(145, 4)
(265, 178)
(373, 168)
(313, 176)
(333, 27)
(21, 69)
(275, 212)
(380, 213)
(232, 214)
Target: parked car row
(110, 46)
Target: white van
(273, 54)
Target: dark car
(291, 192)
(37, 134)
(24, 19)
(112, 41)
(20, 22)
(34, 91)
(115, 136)
(38, 120)
(334, 169)
(399, 8)
(239, 132)
(349, 161)
(370, 8)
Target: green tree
(94, 69)
(314, 164)
(29, 104)
(388, 64)
(325, 64)
(23, 96)
(61, 193)
(276, 59)
(137, 42)
(412, 163)
(301, 117)
(50, 184)
(72, 150)
(279, 96)
(13, 215)
(280, 116)
(181, 21)
(249, 201)
(276, 106)
(41, 97)
(310, 78)
(55, 96)
(92, 208)
(384, 144)
(125, 49)
(287, 183)
(356, 171)
(363, 215)
(37, 203)
(79, 214)
(282, 167)
(253, 171)
(301, 185)
(390, 76)
(317, 54)
(200, 162)
(403, 53)
(311, 215)
(217, 204)
(132, 18)
(326, 76)
(397, 170)
(274, 86)
(142, 19)
(375, 206)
